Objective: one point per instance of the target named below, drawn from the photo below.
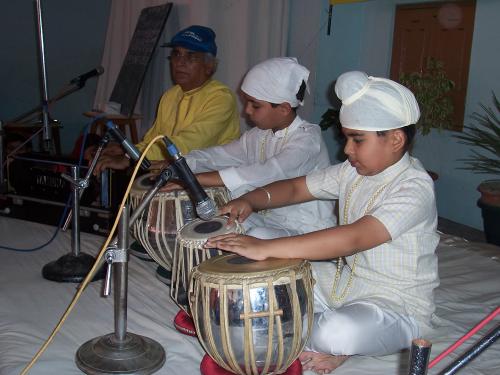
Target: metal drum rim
(182, 234)
(209, 267)
(137, 188)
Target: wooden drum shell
(189, 252)
(156, 228)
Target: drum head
(232, 264)
(201, 230)
(144, 182)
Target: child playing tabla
(280, 146)
(380, 294)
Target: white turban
(276, 80)
(374, 104)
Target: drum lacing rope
(225, 337)
(160, 251)
(191, 253)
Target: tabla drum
(156, 228)
(252, 317)
(189, 252)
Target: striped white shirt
(401, 274)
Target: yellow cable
(92, 271)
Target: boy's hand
(237, 209)
(89, 153)
(158, 165)
(110, 161)
(247, 246)
(112, 149)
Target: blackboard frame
(146, 36)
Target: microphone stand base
(107, 355)
(71, 269)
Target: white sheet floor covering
(30, 307)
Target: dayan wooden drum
(252, 317)
(189, 252)
(156, 228)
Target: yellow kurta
(203, 117)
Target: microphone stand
(419, 356)
(75, 266)
(47, 130)
(69, 89)
(85, 182)
(21, 120)
(46, 121)
(3, 183)
(122, 352)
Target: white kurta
(399, 275)
(260, 157)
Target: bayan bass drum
(252, 317)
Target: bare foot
(321, 363)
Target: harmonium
(38, 192)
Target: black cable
(66, 206)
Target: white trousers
(359, 327)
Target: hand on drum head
(112, 162)
(158, 165)
(89, 153)
(247, 246)
(111, 149)
(237, 210)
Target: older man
(196, 113)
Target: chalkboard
(140, 51)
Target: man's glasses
(189, 57)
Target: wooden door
(440, 30)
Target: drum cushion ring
(184, 323)
(209, 367)
(138, 250)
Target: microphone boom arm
(68, 89)
(83, 184)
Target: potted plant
(431, 88)
(484, 134)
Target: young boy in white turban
(280, 146)
(379, 296)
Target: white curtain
(248, 31)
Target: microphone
(130, 149)
(205, 207)
(80, 80)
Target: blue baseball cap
(195, 38)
